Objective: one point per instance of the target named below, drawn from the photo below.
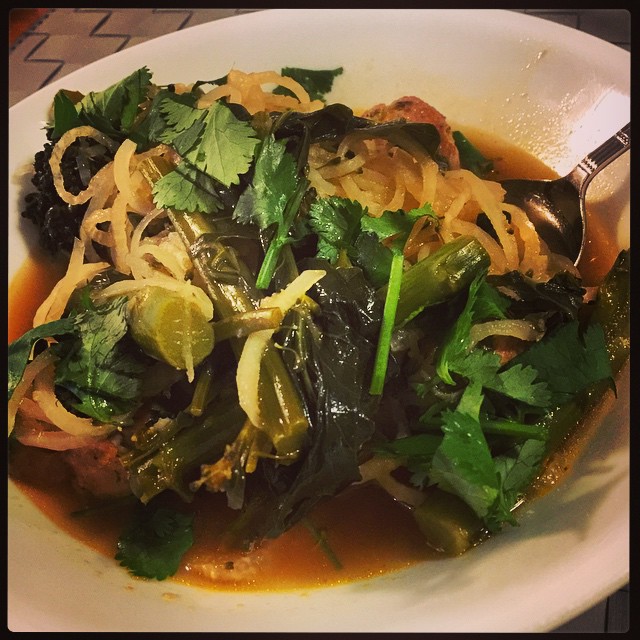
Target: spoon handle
(599, 158)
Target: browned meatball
(414, 109)
(98, 470)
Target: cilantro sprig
(494, 401)
(217, 148)
(154, 542)
(272, 201)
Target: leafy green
(187, 189)
(482, 303)
(272, 200)
(333, 122)
(562, 294)
(470, 156)
(460, 460)
(316, 82)
(19, 350)
(112, 111)
(472, 459)
(213, 140)
(65, 115)
(463, 464)
(341, 225)
(568, 361)
(336, 222)
(330, 354)
(344, 229)
(103, 375)
(516, 472)
(155, 541)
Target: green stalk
(201, 392)
(321, 538)
(265, 275)
(196, 441)
(229, 284)
(388, 321)
(440, 276)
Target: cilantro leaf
(456, 345)
(103, 376)
(20, 349)
(274, 183)
(154, 543)
(213, 140)
(463, 465)
(522, 383)
(516, 472)
(568, 360)
(336, 222)
(396, 223)
(272, 200)
(479, 365)
(344, 228)
(180, 113)
(187, 189)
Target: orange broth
(368, 532)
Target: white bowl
(552, 90)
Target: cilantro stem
(268, 267)
(321, 539)
(388, 322)
(515, 429)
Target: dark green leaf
(316, 82)
(470, 156)
(103, 376)
(153, 545)
(19, 350)
(114, 110)
(569, 360)
(330, 355)
(65, 115)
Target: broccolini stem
(231, 288)
(440, 276)
(196, 441)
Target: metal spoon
(556, 207)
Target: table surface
(41, 51)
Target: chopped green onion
(388, 322)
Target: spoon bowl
(557, 207)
